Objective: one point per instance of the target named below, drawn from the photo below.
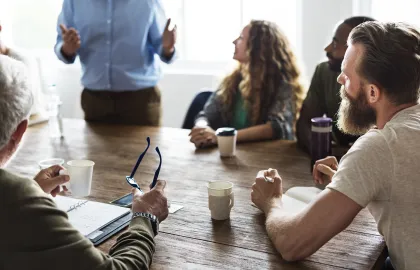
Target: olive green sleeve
(37, 235)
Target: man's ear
(20, 130)
(374, 94)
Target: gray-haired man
(34, 233)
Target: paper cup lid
(226, 131)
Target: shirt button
(107, 64)
(108, 21)
(108, 42)
(109, 86)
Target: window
(400, 11)
(206, 29)
(35, 24)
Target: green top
(240, 114)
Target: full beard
(334, 63)
(355, 116)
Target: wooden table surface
(189, 238)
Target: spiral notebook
(88, 216)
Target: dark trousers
(140, 107)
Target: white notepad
(297, 198)
(89, 216)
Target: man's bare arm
(300, 235)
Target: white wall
(178, 91)
(318, 21)
(178, 87)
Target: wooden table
(189, 239)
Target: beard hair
(355, 116)
(334, 63)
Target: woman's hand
(203, 136)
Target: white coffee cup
(80, 172)
(226, 141)
(221, 199)
(46, 163)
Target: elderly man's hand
(50, 180)
(153, 202)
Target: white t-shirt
(382, 171)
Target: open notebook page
(66, 203)
(292, 205)
(297, 198)
(90, 216)
(304, 194)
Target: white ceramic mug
(221, 199)
(226, 141)
(80, 172)
(46, 163)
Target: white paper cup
(221, 199)
(46, 163)
(80, 172)
(226, 141)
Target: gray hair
(15, 97)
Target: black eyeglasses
(130, 179)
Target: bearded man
(323, 97)
(380, 78)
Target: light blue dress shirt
(121, 41)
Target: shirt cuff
(61, 56)
(201, 122)
(143, 224)
(170, 59)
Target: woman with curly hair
(262, 97)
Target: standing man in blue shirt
(117, 43)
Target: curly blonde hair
(271, 64)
